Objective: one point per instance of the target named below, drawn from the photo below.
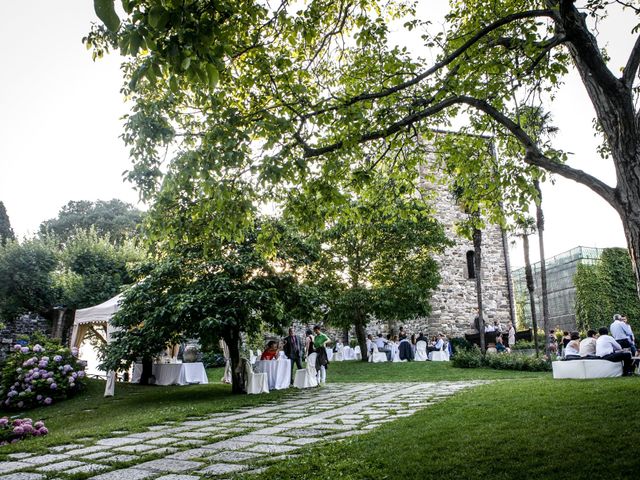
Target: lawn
(524, 425)
(527, 428)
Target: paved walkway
(239, 441)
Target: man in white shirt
(608, 349)
(381, 343)
(620, 331)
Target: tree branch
(439, 65)
(631, 68)
(533, 155)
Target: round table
(278, 372)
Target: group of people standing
(296, 350)
(616, 344)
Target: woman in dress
(320, 341)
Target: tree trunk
(345, 336)
(232, 339)
(531, 288)
(543, 270)
(477, 249)
(362, 339)
(628, 193)
(507, 266)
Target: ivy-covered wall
(606, 288)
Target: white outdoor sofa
(591, 368)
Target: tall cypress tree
(6, 232)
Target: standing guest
(414, 341)
(620, 331)
(369, 344)
(512, 334)
(632, 338)
(566, 338)
(553, 343)
(608, 349)
(320, 341)
(308, 343)
(293, 350)
(572, 350)
(382, 345)
(271, 352)
(476, 320)
(588, 345)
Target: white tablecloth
(278, 372)
(173, 373)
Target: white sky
(60, 119)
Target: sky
(61, 118)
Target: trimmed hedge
(473, 358)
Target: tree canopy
(6, 232)
(256, 97)
(113, 218)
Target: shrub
(39, 374)
(471, 358)
(460, 343)
(12, 431)
(474, 359)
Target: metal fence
(562, 291)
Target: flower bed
(472, 358)
(12, 431)
(39, 375)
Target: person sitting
(488, 328)
(422, 338)
(271, 352)
(405, 350)
(381, 343)
(500, 346)
(437, 344)
(608, 349)
(572, 350)
(588, 345)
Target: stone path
(239, 441)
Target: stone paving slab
(6, 467)
(274, 431)
(222, 468)
(169, 465)
(22, 476)
(18, 456)
(61, 466)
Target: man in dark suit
(293, 350)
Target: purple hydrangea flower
(48, 401)
(4, 421)
(57, 358)
(20, 404)
(38, 348)
(74, 351)
(50, 380)
(18, 430)
(38, 424)
(53, 386)
(39, 397)
(71, 384)
(80, 374)
(43, 430)
(17, 347)
(12, 394)
(24, 349)
(36, 375)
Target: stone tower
(454, 302)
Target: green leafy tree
(93, 269)
(6, 232)
(26, 277)
(113, 218)
(231, 290)
(377, 258)
(294, 93)
(606, 288)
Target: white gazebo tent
(87, 319)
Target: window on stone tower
(471, 265)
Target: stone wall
(25, 325)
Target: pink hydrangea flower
(38, 424)
(48, 401)
(18, 430)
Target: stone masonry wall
(23, 325)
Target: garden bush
(39, 374)
(503, 361)
(12, 431)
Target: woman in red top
(271, 353)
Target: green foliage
(95, 269)
(26, 277)
(606, 288)
(112, 219)
(6, 232)
(39, 374)
(460, 343)
(188, 295)
(473, 358)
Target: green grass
(525, 425)
(528, 428)
(133, 408)
(341, 372)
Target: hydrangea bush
(40, 374)
(12, 431)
